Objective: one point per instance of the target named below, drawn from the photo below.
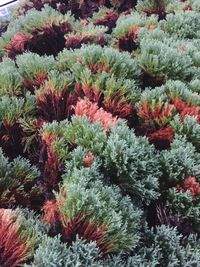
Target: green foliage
(10, 80)
(164, 246)
(95, 58)
(180, 162)
(78, 133)
(182, 24)
(36, 19)
(126, 22)
(31, 65)
(52, 252)
(162, 61)
(189, 207)
(12, 108)
(152, 6)
(188, 128)
(122, 160)
(109, 209)
(172, 248)
(131, 163)
(18, 182)
(194, 85)
(128, 158)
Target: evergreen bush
(100, 134)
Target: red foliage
(78, 225)
(40, 123)
(118, 106)
(88, 231)
(188, 7)
(37, 81)
(84, 22)
(190, 184)
(86, 90)
(99, 67)
(191, 111)
(133, 31)
(51, 164)
(48, 138)
(10, 138)
(157, 112)
(88, 160)
(109, 20)
(17, 44)
(77, 40)
(162, 138)
(179, 104)
(157, 10)
(54, 105)
(182, 49)
(14, 249)
(51, 213)
(85, 107)
(127, 42)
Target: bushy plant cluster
(100, 134)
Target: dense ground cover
(100, 134)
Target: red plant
(191, 111)
(118, 106)
(133, 31)
(51, 213)
(86, 90)
(85, 107)
(48, 138)
(51, 163)
(108, 19)
(91, 110)
(77, 40)
(127, 42)
(179, 104)
(84, 22)
(182, 49)
(17, 44)
(53, 104)
(155, 113)
(78, 225)
(14, 249)
(10, 138)
(99, 67)
(36, 81)
(162, 138)
(88, 160)
(188, 7)
(88, 231)
(190, 184)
